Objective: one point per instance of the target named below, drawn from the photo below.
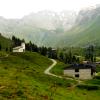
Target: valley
(48, 55)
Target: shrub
(97, 77)
(88, 87)
(19, 93)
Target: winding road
(47, 71)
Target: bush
(97, 77)
(88, 87)
(19, 93)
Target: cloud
(19, 8)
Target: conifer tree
(0, 47)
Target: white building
(81, 71)
(20, 48)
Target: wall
(23, 45)
(83, 73)
(69, 72)
(18, 50)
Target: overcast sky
(19, 8)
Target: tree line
(66, 57)
(49, 52)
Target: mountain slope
(86, 31)
(5, 43)
(41, 28)
(56, 29)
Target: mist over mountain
(41, 27)
(88, 14)
(48, 20)
(51, 20)
(86, 31)
(54, 29)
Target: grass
(4, 42)
(89, 86)
(22, 78)
(98, 68)
(2, 54)
(97, 58)
(93, 81)
(98, 73)
(58, 69)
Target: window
(77, 75)
(77, 70)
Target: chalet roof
(17, 47)
(81, 66)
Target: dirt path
(47, 72)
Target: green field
(22, 78)
(58, 69)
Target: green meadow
(22, 78)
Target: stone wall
(83, 73)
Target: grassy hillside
(22, 78)
(5, 42)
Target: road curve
(47, 71)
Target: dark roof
(81, 66)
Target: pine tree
(61, 56)
(70, 56)
(6, 49)
(0, 47)
(65, 58)
(49, 52)
(90, 53)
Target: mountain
(54, 29)
(41, 28)
(86, 31)
(4, 42)
(50, 20)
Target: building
(19, 48)
(85, 62)
(81, 71)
